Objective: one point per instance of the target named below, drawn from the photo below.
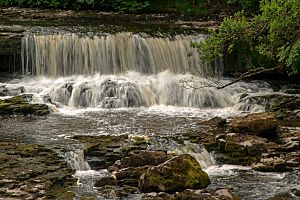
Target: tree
(273, 35)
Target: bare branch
(216, 83)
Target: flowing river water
(128, 83)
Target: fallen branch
(215, 83)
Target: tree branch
(215, 83)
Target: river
(126, 83)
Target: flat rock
(31, 171)
(260, 124)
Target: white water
(133, 89)
(137, 75)
(76, 160)
(124, 70)
(71, 54)
(204, 158)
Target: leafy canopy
(273, 34)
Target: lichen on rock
(177, 174)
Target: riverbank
(46, 16)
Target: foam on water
(160, 92)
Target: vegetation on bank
(198, 7)
(266, 41)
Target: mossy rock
(177, 174)
(36, 170)
(281, 104)
(20, 105)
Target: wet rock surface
(178, 173)
(31, 171)
(276, 151)
(104, 151)
(261, 124)
(240, 149)
(128, 157)
(20, 105)
(285, 106)
(189, 194)
(151, 174)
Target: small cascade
(198, 151)
(129, 90)
(71, 54)
(76, 160)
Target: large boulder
(129, 169)
(177, 174)
(261, 124)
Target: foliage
(273, 35)
(116, 5)
(248, 6)
(129, 5)
(186, 7)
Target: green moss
(177, 174)
(19, 105)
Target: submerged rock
(226, 195)
(261, 124)
(177, 174)
(190, 194)
(20, 105)
(194, 195)
(11, 91)
(104, 181)
(283, 196)
(158, 196)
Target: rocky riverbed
(138, 165)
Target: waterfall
(198, 151)
(71, 54)
(76, 160)
(122, 70)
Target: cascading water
(122, 70)
(76, 160)
(125, 70)
(71, 54)
(198, 151)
